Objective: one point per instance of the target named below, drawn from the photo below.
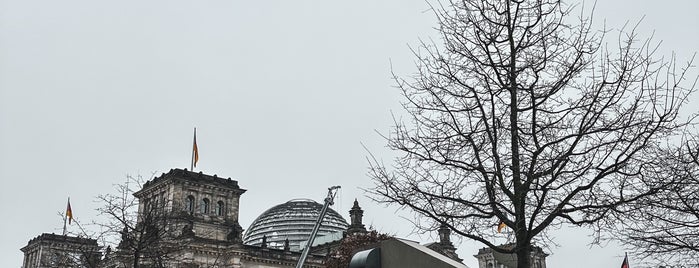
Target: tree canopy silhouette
(524, 114)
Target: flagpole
(194, 142)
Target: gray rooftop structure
(402, 253)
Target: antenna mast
(328, 202)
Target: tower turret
(444, 246)
(356, 214)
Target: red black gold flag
(69, 213)
(195, 150)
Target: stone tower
(198, 205)
(52, 250)
(356, 225)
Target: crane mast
(328, 202)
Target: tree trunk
(524, 250)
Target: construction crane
(328, 202)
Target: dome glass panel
(293, 220)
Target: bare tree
(78, 247)
(141, 237)
(663, 229)
(526, 116)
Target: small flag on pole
(69, 212)
(195, 151)
(625, 264)
(501, 226)
(68, 217)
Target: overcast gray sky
(283, 94)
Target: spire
(444, 235)
(356, 214)
(444, 246)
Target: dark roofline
(177, 174)
(61, 238)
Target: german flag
(69, 212)
(195, 150)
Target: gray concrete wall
(397, 254)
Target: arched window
(219, 208)
(205, 206)
(189, 204)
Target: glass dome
(293, 220)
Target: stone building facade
(52, 250)
(190, 220)
(197, 217)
